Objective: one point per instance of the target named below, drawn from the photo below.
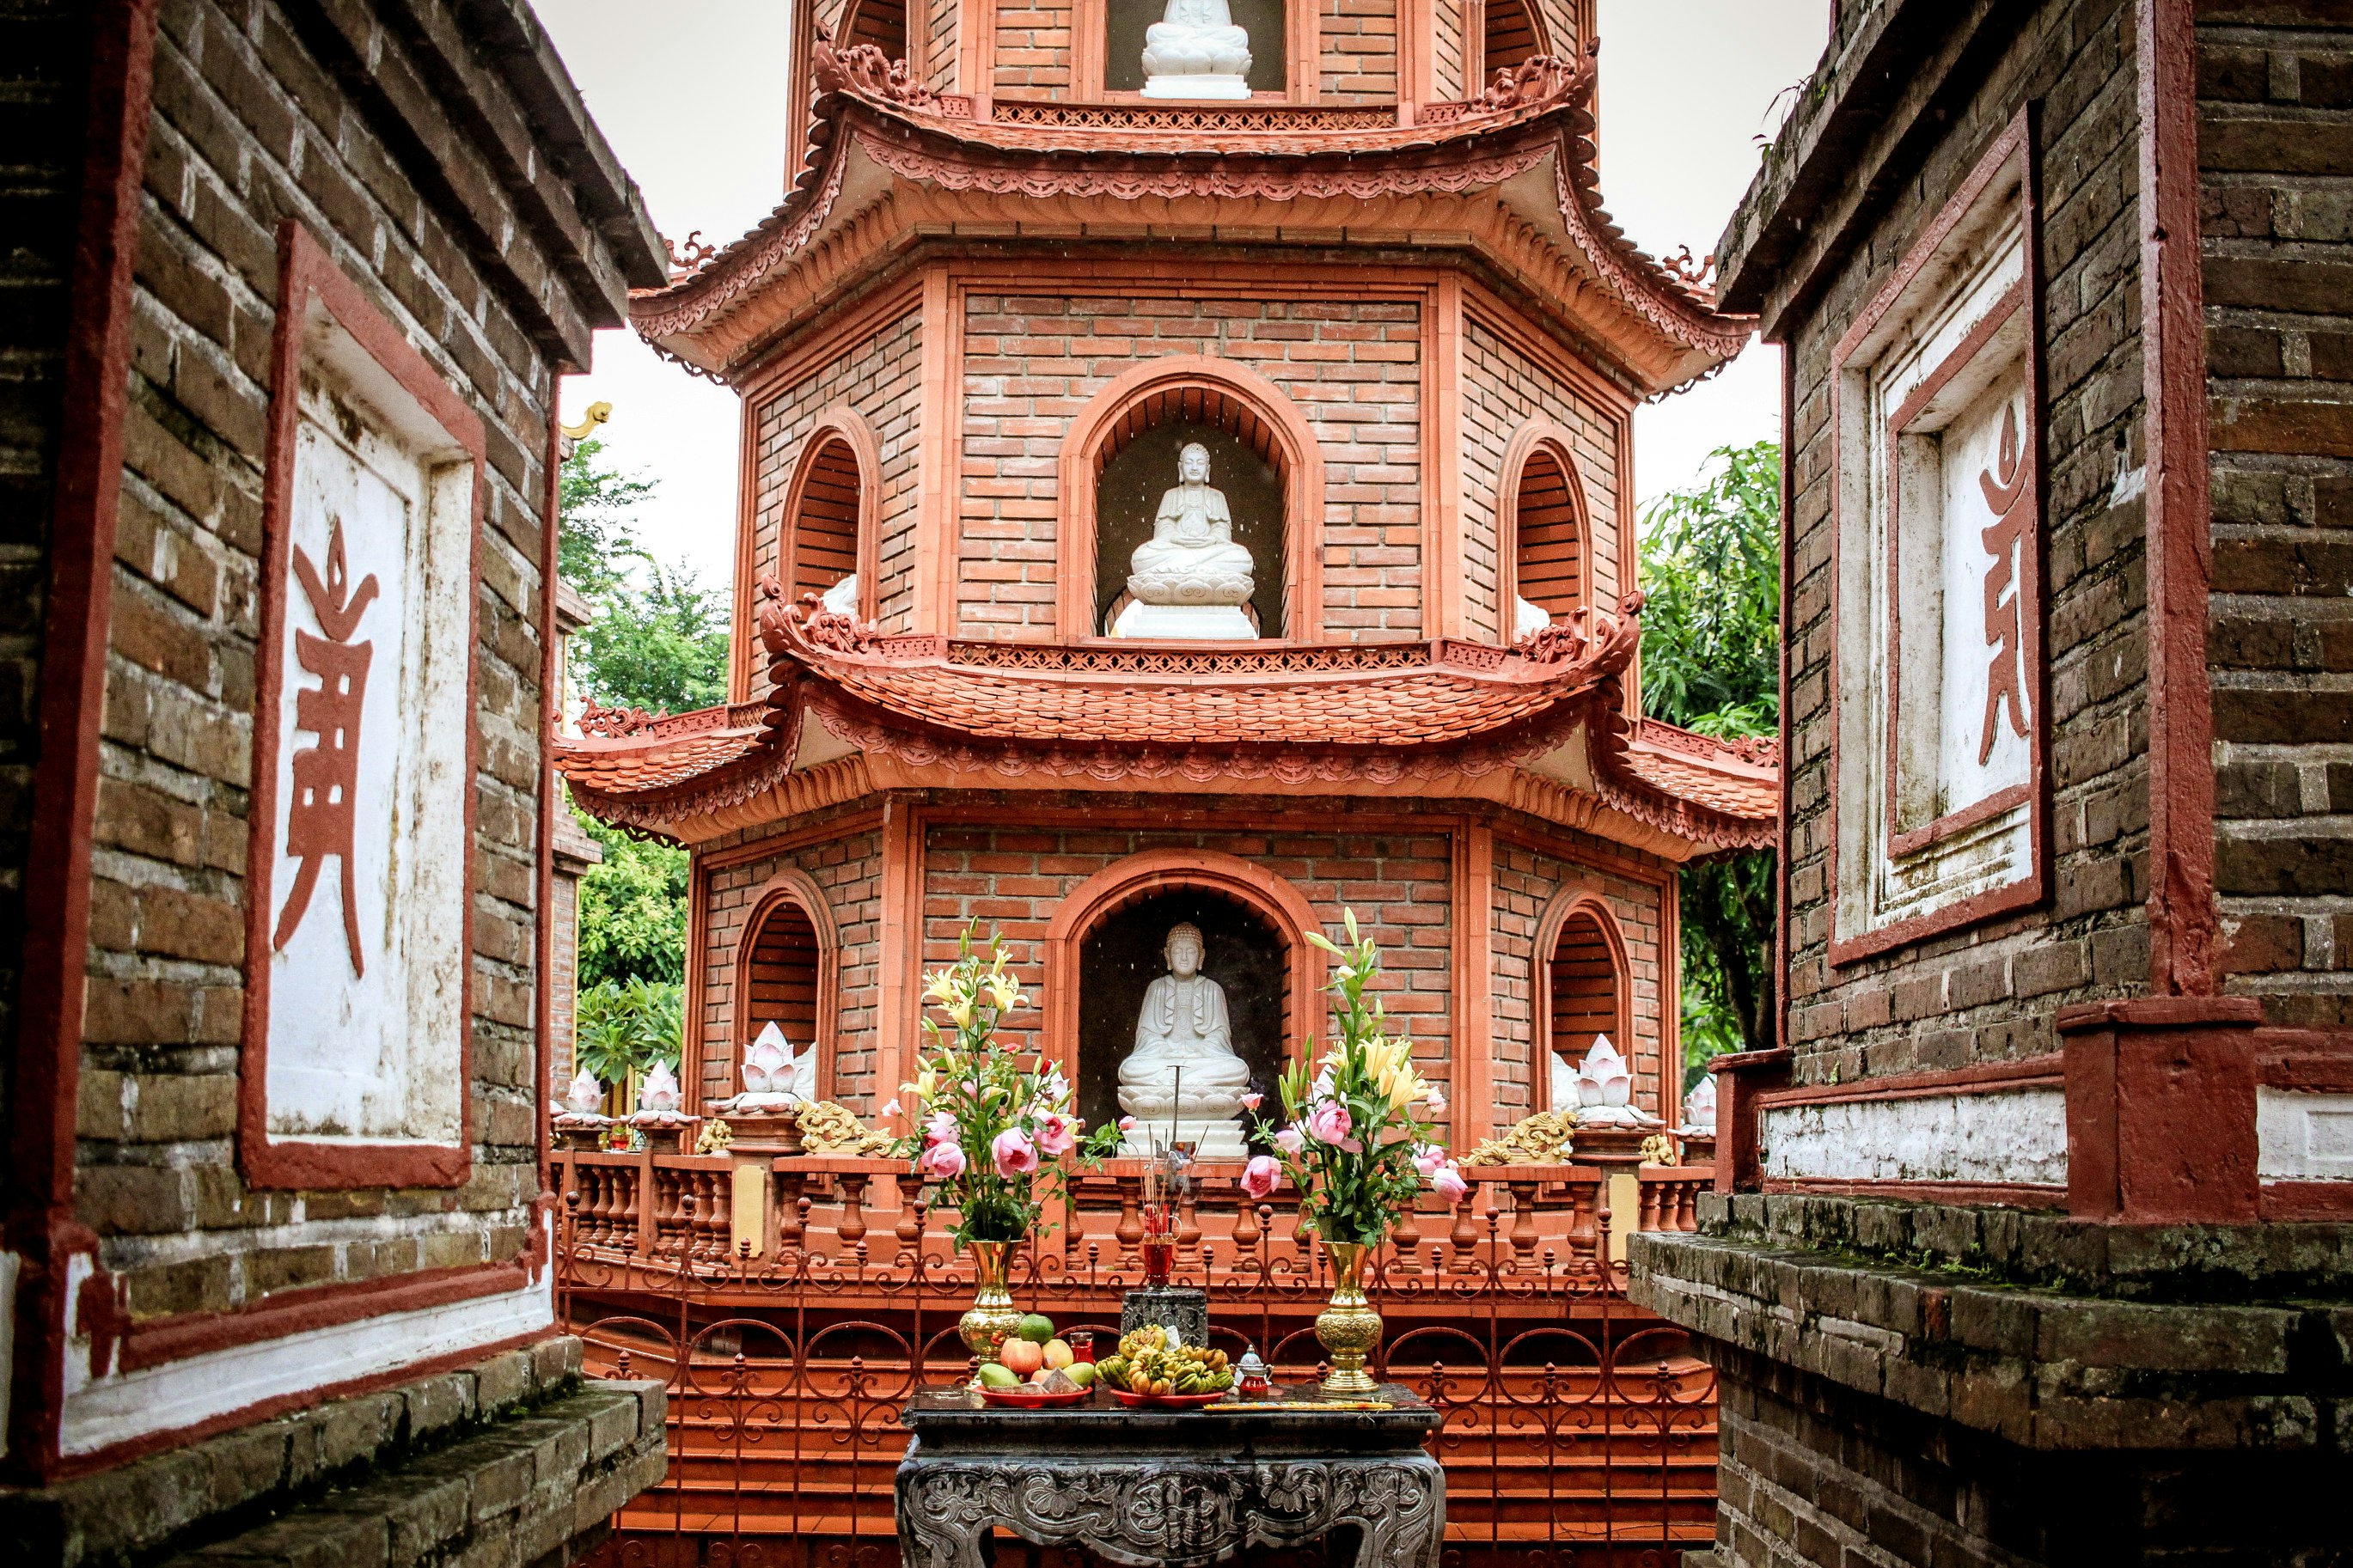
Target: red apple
(1022, 1357)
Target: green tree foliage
(1711, 652)
(626, 1026)
(658, 640)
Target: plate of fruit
(1035, 1369)
(1148, 1371)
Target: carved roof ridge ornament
(615, 723)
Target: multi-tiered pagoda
(1187, 480)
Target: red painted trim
(303, 1399)
(2156, 1012)
(2161, 1110)
(2045, 1071)
(552, 803)
(2306, 1201)
(1740, 1078)
(2318, 1061)
(1782, 988)
(1081, 459)
(160, 1340)
(307, 270)
(2182, 916)
(1902, 842)
(2008, 1195)
(2016, 140)
(75, 626)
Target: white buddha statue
(1182, 1080)
(1527, 619)
(1190, 579)
(1195, 51)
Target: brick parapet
(504, 1462)
(2018, 1326)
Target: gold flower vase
(1349, 1328)
(993, 1317)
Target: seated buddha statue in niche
(1182, 1079)
(1190, 579)
(1195, 51)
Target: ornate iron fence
(1578, 1429)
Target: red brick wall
(1359, 50)
(1013, 879)
(1033, 48)
(1353, 368)
(249, 127)
(849, 871)
(1446, 74)
(1988, 994)
(941, 30)
(1527, 879)
(2275, 124)
(882, 380)
(1502, 389)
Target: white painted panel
(2303, 1136)
(366, 1025)
(121, 1407)
(2016, 1135)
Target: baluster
(1189, 1226)
(1582, 1194)
(718, 1214)
(792, 1214)
(1465, 1235)
(1246, 1225)
(1409, 1240)
(1646, 1206)
(1130, 1230)
(851, 1228)
(690, 1217)
(1687, 1208)
(1523, 1219)
(910, 1229)
(599, 1204)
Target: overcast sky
(692, 96)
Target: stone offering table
(1179, 1487)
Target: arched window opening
(1124, 951)
(882, 22)
(1583, 972)
(1511, 36)
(1549, 548)
(779, 984)
(1127, 25)
(1139, 464)
(822, 532)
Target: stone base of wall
(1914, 1384)
(516, 1462)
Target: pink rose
(1427, 1158)
(1055, 1135)
(1437, 1101)
(1289, 1141)
(1014, 1154)
(943, 1162)
(1449, 1183)
(1328, 1123)
(1253, 1100)
(1261, 1174)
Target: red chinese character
(2005, 682)
(326, 776)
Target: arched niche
(1583, 988)
(831, 510)
(1541, 516)
(1512, 35)
(882, 22)
(1234, 411)
(1122, 903)
(786, 968)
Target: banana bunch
(1147, 1363)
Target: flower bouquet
(1356, 1148)
(994, 1133)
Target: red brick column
(2161, 1110)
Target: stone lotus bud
(1699, 1107)
(584, 1095)
(659, 1091)
(768, 1065)
(1602, 1077)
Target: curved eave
(880, 172)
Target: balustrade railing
(792, 1318)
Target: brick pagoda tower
(1013, 283)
